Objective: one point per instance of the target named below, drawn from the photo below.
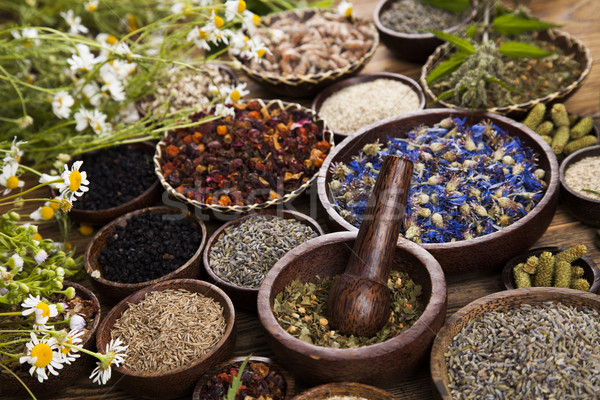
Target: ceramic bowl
(383, 362)
(414, 47)
(69, 373)
(180, 381)
(290, 384)
(569, 44)
(585, 209)
(350, 389)
(112, 291)
(356, 80)
(241, 296)
(486, 252)
(501, 301)
(308, 85)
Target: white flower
(95, 119)
(112, 84)
(257, 50)
(75, 182)
(40, 257)
(74, 23)
(47, 211)
(25, 122)
(223, 111)
(129, 114)
(92, 92)
(42, 311)
(41, 355)
(198, 35)
(91, 6)
(344, 8)
(68, 354)
(28, 34)
(77, 323)
(234, 7)
(15, 262)
(82, 118)
(236, 93)
(61, 104)
(251, 21)
(277, 35)
(238, 42)
(120, 68)
(178, 8)
(84, 60)
(114, 354)
(15, 153)
(9, 177)
(45, 178)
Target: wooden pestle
(359, 300)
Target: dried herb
(301, 310)
(415, 16)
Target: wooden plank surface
(579, 17)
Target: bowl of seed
(174, 331)
(241, 252)
(484, 187)
(402, 25)
(344, 391)
(142, 248)
(292, 310)
(522, 342)
(580, 185)
(353, 103)
(309, 49)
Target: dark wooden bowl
(237, 361)
(501, 301)
(113, 291)
(585, 209)
(414, 47)
(69, 373)
(350, 389)
(243, 297)
(591, 272)
(482, 253)
(336, 87)
(147, 198)
(179, 381)
(383, 362)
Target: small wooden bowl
(69, 373)
(243, 297)
(414, 47)
(585, 209)
(351, 389)
(336, 87)
(113, 291)
(237, 361)
(383, 362)
(180, 381)
(501, 301)
(486, 252)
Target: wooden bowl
(300, 86)
(69, 373)
(383, 362)
(350, 389)
(336, 87)
(236, 362)
(481, 253)
(585, 209)
(179, 381)
(243, 297)
(501, 301)
(569, 44)
(414, 47)
(113, 291)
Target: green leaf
(446, 94)
(446, 68)
(457, 6)
(471, 31)
(459, 42)
(591, 191)
(237, 381)
(521, 50)
(512, 25)
(505, 85)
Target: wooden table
(579, 17)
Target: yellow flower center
(256, 19)
(66, 349)
(219, 21)
(37, 236)
(235, 95)
(261, 53)
(65, 205)
(91, 7)
(86, 230)
(45, 309)
(43, 353)
(54, 204)
(47, 212)
(348, 12)
(12, 182)
(241, 6)
(201, 33)
(75, 180)
(111, 39)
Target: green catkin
(531, 265)
(582, 128)
(580, 284)
(571, 254)
(560, 139)
(535, 116)
(548, 139)
(559, 115)
(577, 272)
(522, 278)
(545, 270)
(544, 128)
(562, 274)
(572, 119)
(579, 144)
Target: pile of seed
(117, 175)
(147, 247)
(243, 254)
(549, 351)
(353, 107)
(169, 329)
(584, 174)
(414, 16)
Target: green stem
(32, 189)
(6, 314)
(14, 341)
(20, 381)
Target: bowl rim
(285, 214)
(436, 303)
(330, 90)
(553, 34)
(326, 133)
(471, 14)
(444, 113)
(567, 162)
(203, 288)
(106, 229)
(322, 389)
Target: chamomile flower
(121, 69)
(41, 355)
(238, 42)
(345, 9)
(15, 153)
(91, 6)
(25, 122)
(112, 84)
(74, 23)
(233, 8)
(179, 8)
(223, 111)
(257, 50)
(30, 35)
(74, 181)
(9, 177)
(129, 114)
(39, 258)
(42, 311)
(77, 323)
(69, 354)
(114, 355)
(45, 178)
(93, 93)
(251, 21)
(199, 36)
(15, 262)
(236, 93)
(61, 104)
(47, 211)
(94, 119)
(84, 60)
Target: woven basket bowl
(308, 85)
(501, 301)
(349, 389)
(226, 211)
(569, 44)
